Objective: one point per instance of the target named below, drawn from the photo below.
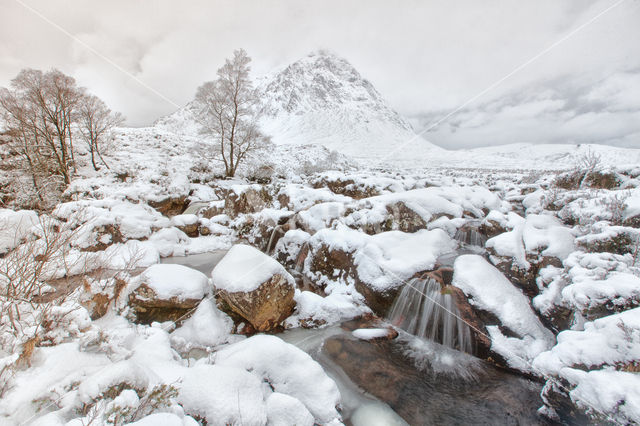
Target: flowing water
(203, 262)
(409, 380)
(426, 310)
(270, 244)
(470, 236)
(413, 379)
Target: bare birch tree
(42, 113)
(96, 121)
(228, 110)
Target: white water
(425, 310)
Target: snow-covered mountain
(322, 99)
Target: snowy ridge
(530, 156)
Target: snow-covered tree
(228, 110)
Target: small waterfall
(470, 236)
(270, 246)
(425, 310)
(302, 255)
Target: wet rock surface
(426, 397)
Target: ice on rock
(370, 333)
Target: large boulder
(255, 287)
(246, 199)
(167, 292)
(170, 206)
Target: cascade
(423, 308)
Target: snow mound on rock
(492, 292)
(244, 268)
(223, 395)
(171, 280)
(208, 327)
(287, 370)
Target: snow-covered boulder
(352, 186)
(187, 223)
(223, 395)
(595, 369)
(291, 249)
(167, 292)
(169, 206)
(376, 264)
(287, 370)
(519, 336)
(533, 243)
(590, 286)
(245, 199)
(254, 286)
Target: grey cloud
(426, 58)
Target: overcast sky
(426, 58)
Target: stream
(407, 380)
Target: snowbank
(14, 227)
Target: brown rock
(379, 301)
(491, 228)
(170, 206)
(147, 307)
(346, 186)
(249, 201)
(115, 236)
(265, 307)
(192, 230)
(404, 219)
